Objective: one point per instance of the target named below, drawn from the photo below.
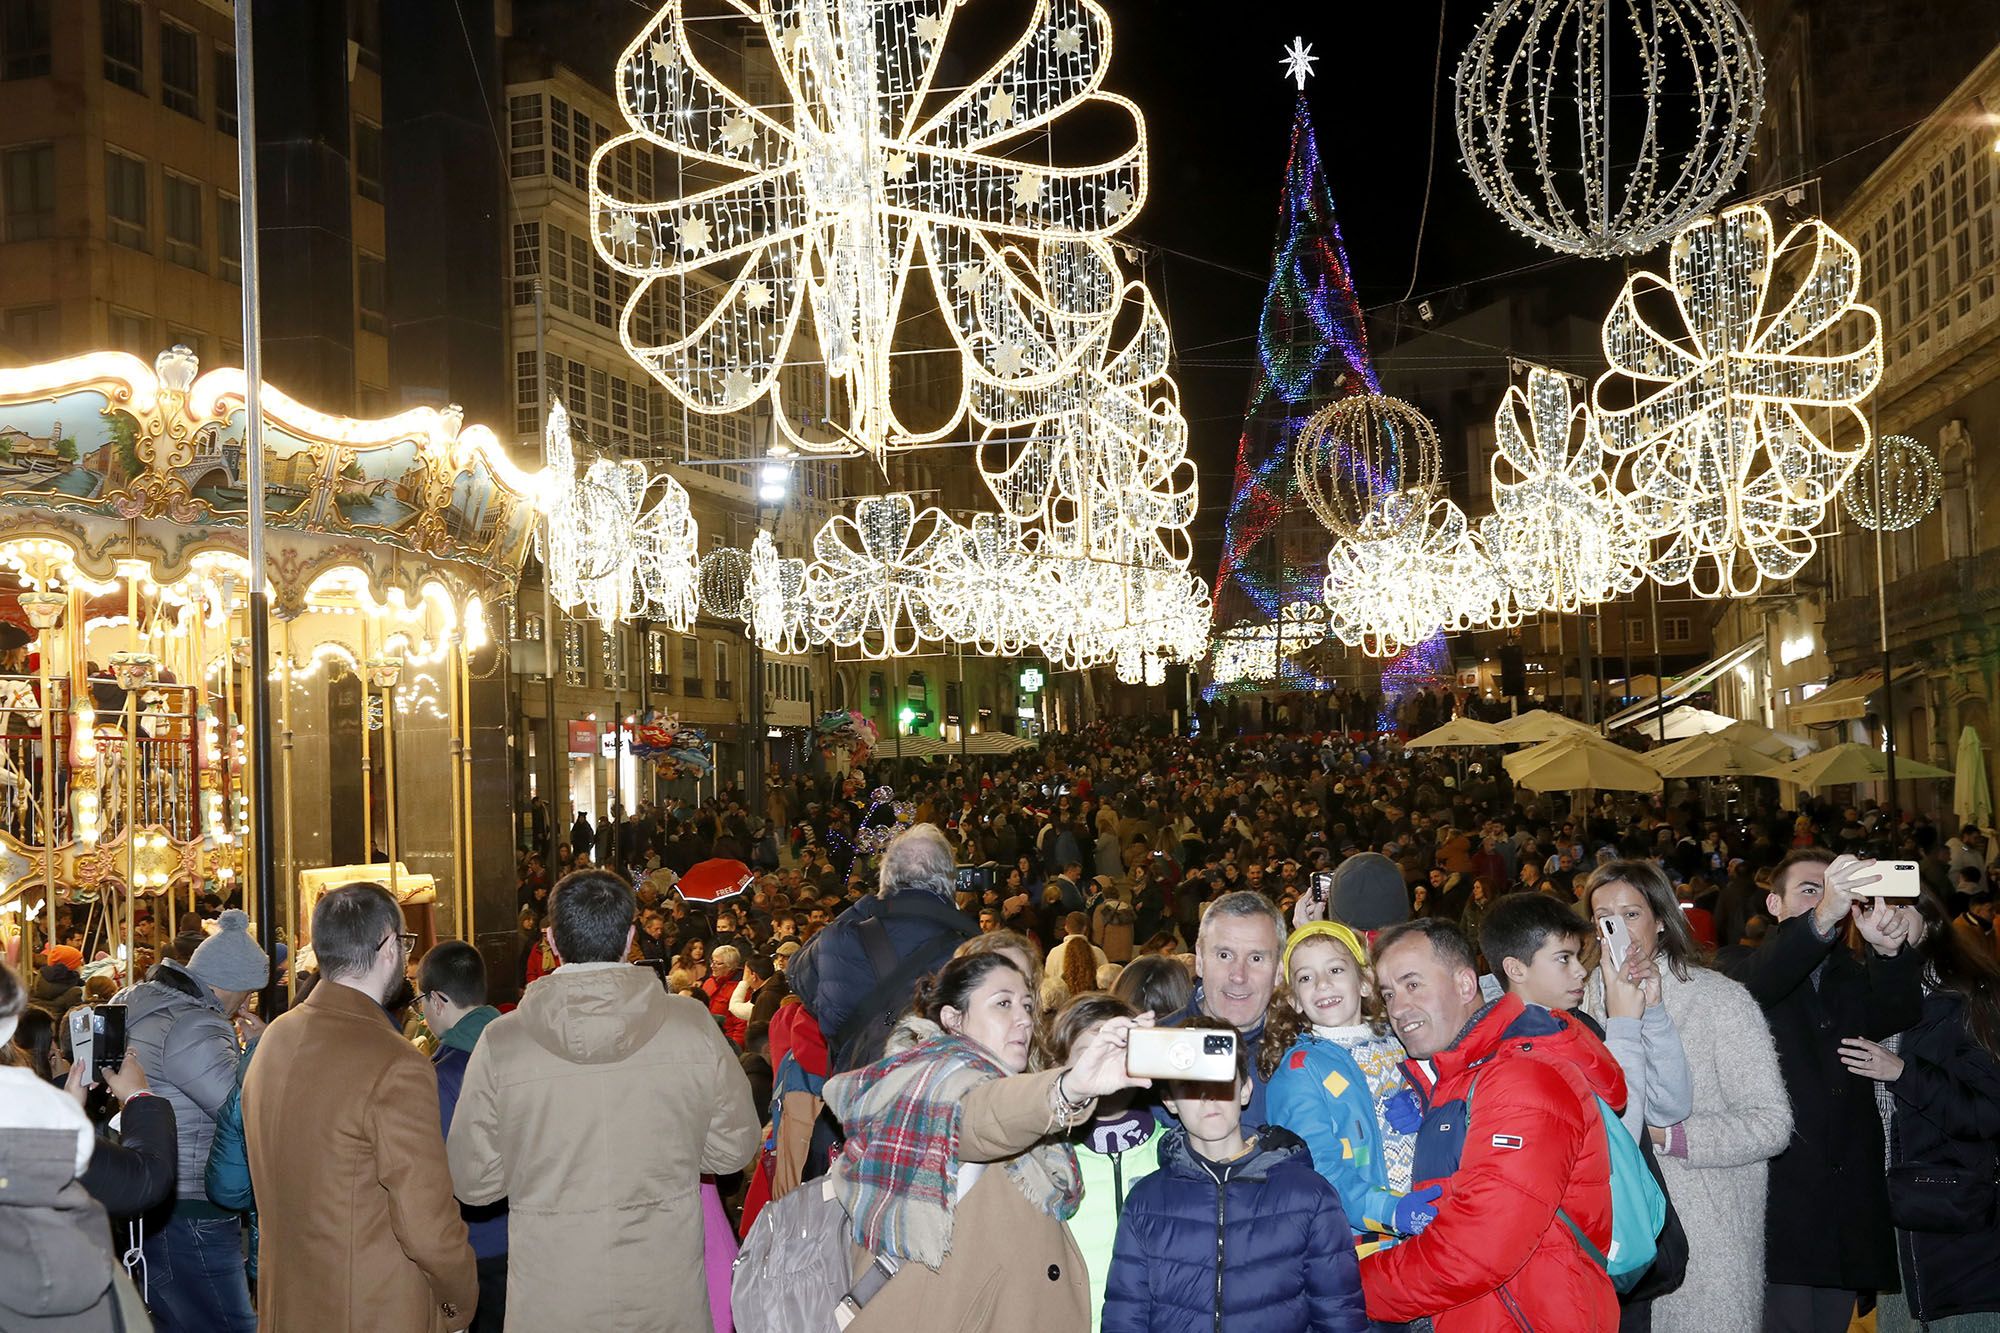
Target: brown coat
(360, 1231)
(594, 1109)
(1012, 1268)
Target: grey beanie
(1369, 892)
(230, 959)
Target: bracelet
(1068, 1110)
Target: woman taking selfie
(956, 1165)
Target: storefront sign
(583, 738)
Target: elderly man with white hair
(856, 976)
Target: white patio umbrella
(1850, 762)
(1711, 756)
(1461, 731)
(1538, 725)
(1578, 763)
(1971, 794)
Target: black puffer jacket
(1948, 1115)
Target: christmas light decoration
(775, 594)
(1368, 466)
(1312, 348)
(1740, 427)
(986, 588)
(1537, 130)
(603, 549)
(723, 583)
(1558, 537)
(867, 177)
(870, 580)
(1911, 480)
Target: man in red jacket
(1499, 1256)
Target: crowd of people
(1499, 1061)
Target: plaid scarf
(897, 1174)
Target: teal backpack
(1638, 1207)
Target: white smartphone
(1899, 880)
(1617, 943)
(1185, 1055)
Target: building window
(576, 668)
(24, 39)
(527, 394)
(180, 69)
(364, 20)
(531, 628)
(125, 199)
(368, 160)
(225, 92)
(527, 260)
(181, 336)
(125, 43)
(30, 182)
(524, 135)
(558, 285)
(1675, 629)
(133, 332)
(691, 666)
(559, 154)
(229, 235)
(611, 648)
(722, 686)
(656, 660)
(1635, 631)
(183, 209)
(31, 332)
(373, 285)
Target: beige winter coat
(594, 1109)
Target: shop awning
(1845, 699)
(1686, 686)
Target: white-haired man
(857, 975)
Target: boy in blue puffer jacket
(1233, 1231)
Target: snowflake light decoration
(1911, 483)
(1387, 594)
(1558, 535)
(1742, 424)
(866, 177)
(985, 588)
(1535, 93)
(604, 550)
(775, 595)
(869, 584)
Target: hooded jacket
(593, 1109)
(57, 1270)
(1113, 1154)
(1497, 1257)
(488, 1222)
(176, 1027)
(1260, 1242)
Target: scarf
(897, 1173)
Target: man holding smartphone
(1827, 1231)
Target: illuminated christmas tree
(1312, 347)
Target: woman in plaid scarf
(955, 1172)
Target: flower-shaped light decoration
(870, 583)
(1742, 424)
(1911, 482)
(1386, 594)
(867, 175)
(776, 599)
(603, 549)
(1558, 535)
(986, 588)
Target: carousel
(126, 697)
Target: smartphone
(1322, 885)
(1617, 942)
(1185, 1055)
(97, 1037)
(1899, 880)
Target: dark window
(125, 43)
(225, 92)
(24, 39)
(368, 160)
(183, 209)
(31, 332)
(31, 191)
(133, 332)
(527, 393)
(180, 69)
(527, 260)
(374, 288)
(229, 235)
(125, 200)
(524, 130)
(364, 19)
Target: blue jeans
(194, 1277)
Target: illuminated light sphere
(1369, 465)
(869, 584)
(725, 582)
(1734, 397)
(878, 178)
(1579, 162)
(1912, 481)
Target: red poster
(583, 738)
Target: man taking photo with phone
(1827, 1232)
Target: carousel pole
(367, 752)
(461, 859)
(285, 781)
(253, 455)
(48, 811)
(465, 783)
(389, 776)
(131, 792)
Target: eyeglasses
(408, 937)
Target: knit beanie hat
(230, 959)
(1369, 892)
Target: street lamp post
(773, 484)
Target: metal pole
(389, 780)
(1882, 630)
(1659, 661)
(253, 455)
(964, 712)
(48, 817)
(367, 753)
(551, 644)
(285, 786)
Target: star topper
(1299, 61)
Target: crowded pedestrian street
(999, 666)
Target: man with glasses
(359, 1227)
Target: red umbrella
(713, 880)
